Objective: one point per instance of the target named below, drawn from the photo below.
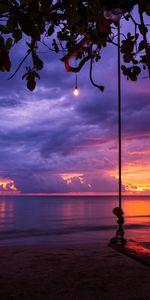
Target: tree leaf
(31, 84)
(3, 29)
(17, 35)
(148, 9)
(143, 29)
(38, 63)
(8, 43)
(1, 60)
(11, 23)
(26, 24)
(141, 46)
(2, 42)
(55, 46)
(50, 30)
(136, 70)
(6, 60)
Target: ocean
(66, 219)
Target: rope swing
(99, 33)
(115, 15)
(118, 212)
(102, 27)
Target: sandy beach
(71, 272)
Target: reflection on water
(137, 209)
(137, 216)
(6, 213)
(72, 218)
(87, 211)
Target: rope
(76, 80)
(119, 121)
(118, 212)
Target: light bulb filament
(76, 91)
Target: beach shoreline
(70, 272)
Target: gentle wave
(79, 229)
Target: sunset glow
(135, 178)
(69, 177)
(51, 144)
(6, 212)
(7, 185)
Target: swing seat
(135, 250)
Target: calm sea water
(53, 220)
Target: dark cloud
(6, 102)
(102, 183)
(50, 132)
(40, 183)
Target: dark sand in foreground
(77, 272)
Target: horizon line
(76, 194)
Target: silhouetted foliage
(78, 28)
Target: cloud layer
(53, 142)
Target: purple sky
(54, 142)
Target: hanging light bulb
(76, 91)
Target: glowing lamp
(76, 91)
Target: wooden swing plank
(135, 250)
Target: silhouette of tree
(78, 28)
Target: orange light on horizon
(144, 152)
(134, 188)
(7, 184)
(69, 176)
(135, 178)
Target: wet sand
(71, 272)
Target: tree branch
(29, 51)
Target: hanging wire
(76, 92)
(76, 79)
